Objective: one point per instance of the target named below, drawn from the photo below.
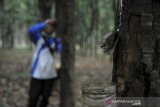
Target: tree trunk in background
(94, 17)
(1, 6)
(59, 16)
(137, 62)
(93, 26)
(7, 37)
(45, 7)
(66, 15)
(92, 32)
(1, 19)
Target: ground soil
(15, 76)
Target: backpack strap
(52, 50)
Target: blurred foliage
(87, 41)
(25, 13)
(106, 16)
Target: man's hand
(50, 26)
(49, 22)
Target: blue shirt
(43, 61)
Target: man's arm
(55, 44)
(59, 45)
(34, 31)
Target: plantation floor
(14, 77)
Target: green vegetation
(94, 19)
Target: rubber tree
(7, 22)
(45, 7)
(1, 19)
(66, 18)
(137, 54)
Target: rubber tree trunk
(137, 62)
(1, 19)
(44, 11)
(6, 28)
(66, 15)
(92, 32)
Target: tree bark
(59, 16)
(137, 61)
(6, 29)
(1, 19)
(94, 17)
(66, 15)
(92, 34)
(45, 7)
